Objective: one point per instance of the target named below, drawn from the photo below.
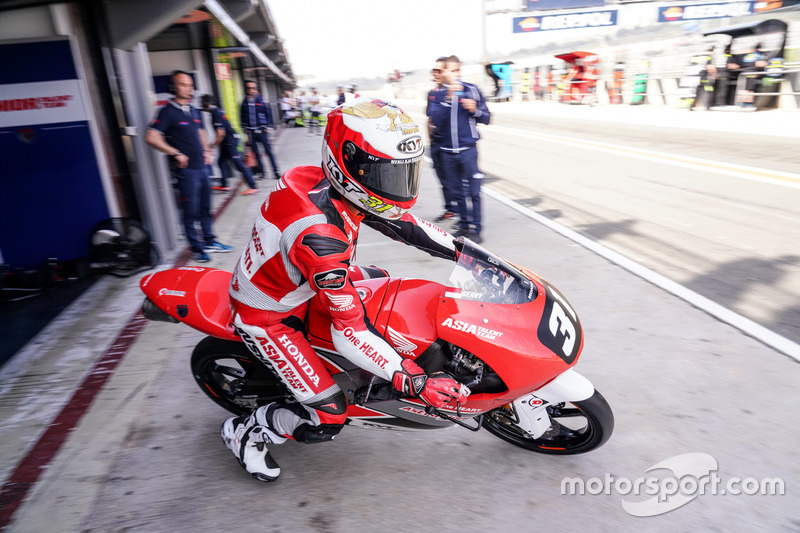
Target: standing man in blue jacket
(456, 112)
(436, 136)
(178, 132)
(255, 117)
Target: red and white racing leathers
(301, 245)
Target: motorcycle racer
(303, 244)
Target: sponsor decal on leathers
(342, 302)
(365, 348)
(276, 360)
(331, 279)
(298, 357)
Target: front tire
(578, 427)
(231, 375)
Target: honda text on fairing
(500, 330)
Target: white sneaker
(248, 442)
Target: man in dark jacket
(227, 142)
(456, 111)
(256, 117)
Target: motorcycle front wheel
(577, 427)
(230, 375)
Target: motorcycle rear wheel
(230, 375)
(578, 427)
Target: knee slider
(332, 406)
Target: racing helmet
(372, 155)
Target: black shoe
(471, 235)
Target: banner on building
(535, 5)
(565, 21)
(684, 12)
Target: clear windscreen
(481, 276)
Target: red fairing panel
(505, 337)
(196, 296)
(372, 293)
(402, 310)
(411, 326)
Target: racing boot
(248, 441)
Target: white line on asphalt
(768, 337)
(774, 177)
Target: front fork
(531, 409)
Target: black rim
(573, 430)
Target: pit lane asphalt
(146, 455)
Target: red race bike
(499, 329)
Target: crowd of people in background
(454, 109)
(307, 108)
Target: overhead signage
(535, 5)
(565, 21)
(684, 12)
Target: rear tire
(578, 427)
(228, 373)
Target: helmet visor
(392, 179)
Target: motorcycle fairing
(373, 294)
(197, 296)
(511, 319)
(560, 330)
(503, 336)
(409, 325)
(401, 310)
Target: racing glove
(436, 389)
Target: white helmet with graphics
(372, 155)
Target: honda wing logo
(401, 344)
(343, 302)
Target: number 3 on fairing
(560, 323)
(559, 329)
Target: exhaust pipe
(152, 312)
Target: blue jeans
(194, 188)
(257, 137)
(229, 154)
(461, 170)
